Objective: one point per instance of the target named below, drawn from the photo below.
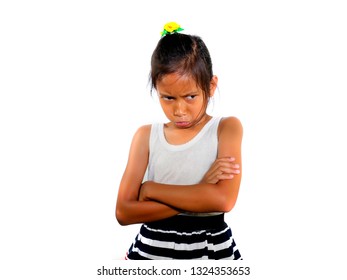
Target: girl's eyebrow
(190, 93)
(185, 95)
(164, 93)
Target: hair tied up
(171, 28)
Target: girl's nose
(179, 110)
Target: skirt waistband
(181, 222)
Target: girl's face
(182, 100)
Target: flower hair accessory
(171, 28)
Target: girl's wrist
(145, 191)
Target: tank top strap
(215, 125)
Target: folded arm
(129, 210)
(207, 196)
(217, 191)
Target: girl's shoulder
(143, 131)
(230, 125)
(141, 136)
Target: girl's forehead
(175, 79)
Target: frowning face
(181, 99)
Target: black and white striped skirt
(185, 237)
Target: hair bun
(171, 28)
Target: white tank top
(184, 164)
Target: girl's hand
(222, 169)
(142, 192)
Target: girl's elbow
(121, 217)
(226, 204)
(228, 207)
(227, 198)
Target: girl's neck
(178, 136)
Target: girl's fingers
(226, 169)
(226, 176)
(223, 164)
(222, 169)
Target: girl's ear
(213, 85)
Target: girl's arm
(205, 197)
(128, 209)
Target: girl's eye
(167, 97)
(191, 97)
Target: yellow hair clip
(170, 28)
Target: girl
(193, 162)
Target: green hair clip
(171, 28)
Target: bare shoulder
(140, 140)
(230, 133)
(230, 125)
(143, 131)
(139, 148)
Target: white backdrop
(73, 85)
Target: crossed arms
(150, 201)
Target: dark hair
(185, 55)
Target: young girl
(193, 162)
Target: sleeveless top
(184, 164)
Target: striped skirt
(185, 237)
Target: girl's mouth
(182, 124)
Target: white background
(73, 85)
